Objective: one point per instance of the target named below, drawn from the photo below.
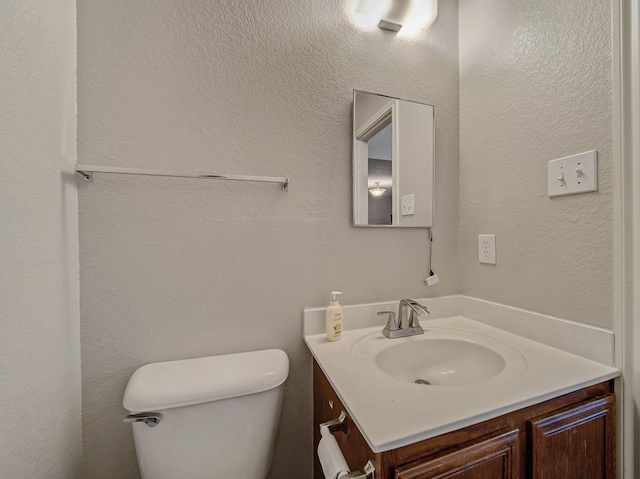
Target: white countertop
(392, 413)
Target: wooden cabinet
(578, 442)
(569, 437)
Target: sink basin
(439, 357)
(440, 362)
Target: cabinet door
(494, 458)
(576, 443)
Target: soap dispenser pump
(333, 318)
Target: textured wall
(175, 268)
(535, 85)
(40, 410)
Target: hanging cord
(432, 278)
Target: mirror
(393, 151)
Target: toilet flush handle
(151, 419)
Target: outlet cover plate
(573, 174)
(487, 249)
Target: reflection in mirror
(379, 178)
(392, 161)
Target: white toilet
(209, 417)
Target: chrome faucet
(407, 324)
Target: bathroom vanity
(557, 438)
(463, 400)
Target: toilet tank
(218, 415)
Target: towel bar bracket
(86, 175)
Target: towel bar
(88, 171)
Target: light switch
(573, 174)
(408, 203)
(487, 249)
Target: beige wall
(180, 268)
(535, 85)
(175, 268)
(40, 410)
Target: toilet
(208, 417)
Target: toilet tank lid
(186, 382)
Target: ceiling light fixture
(377, 191)
(392, 15)
(389, 25)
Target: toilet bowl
(210, 417)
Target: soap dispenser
(333, 318)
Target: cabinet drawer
(493, 458)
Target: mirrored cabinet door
(393, 155)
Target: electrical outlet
(487, 249)
(408, 205)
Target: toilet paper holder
(341, 424)
(367, 472)
(337, 425)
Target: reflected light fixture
(377, 191)
(395, 14)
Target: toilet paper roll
(333, 463)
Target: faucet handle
(392, 325)
(416, 307)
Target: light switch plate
(573, 174)
(408, 205)
(487, 249)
